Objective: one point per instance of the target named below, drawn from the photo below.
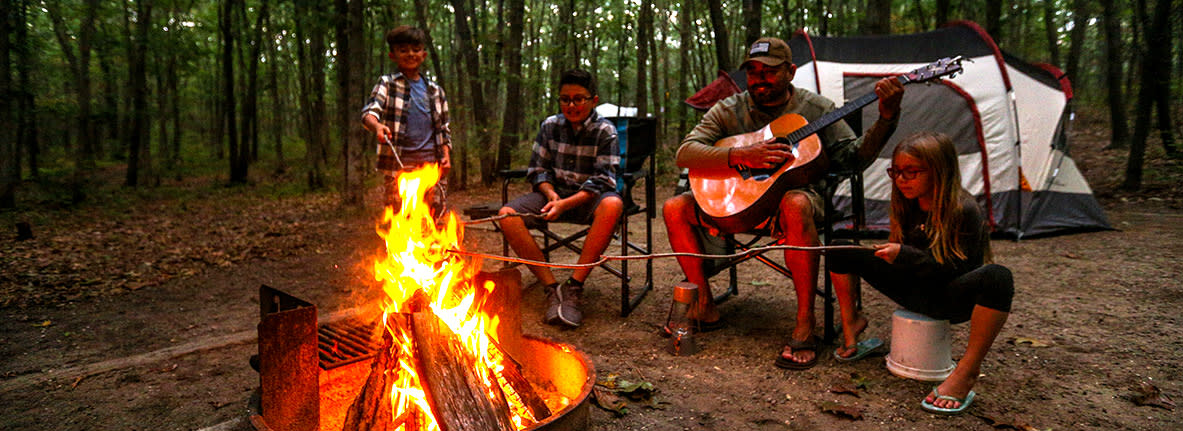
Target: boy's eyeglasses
(577, 100)
(907, 174)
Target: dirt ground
(138, 347)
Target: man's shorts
(772, 221)
(532, 203)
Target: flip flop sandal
(929, 407)
(789, 364)
(863, 349)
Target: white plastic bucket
(920, 347)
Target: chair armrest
(630, 176)
(512, 173)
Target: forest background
(249, 91)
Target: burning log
(455, 392)
(511, 371)
(372, 409)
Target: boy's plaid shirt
(388, 102)
(585, 161)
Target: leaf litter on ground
(614, 394)
(1146, 394)
(842, 410)
(997, 421)
(1032, 342)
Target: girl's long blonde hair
(944, 221)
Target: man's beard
(766, 94)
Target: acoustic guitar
(737, 199)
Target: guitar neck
(837, 114)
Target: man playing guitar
(770, 95)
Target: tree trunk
(480, 110)
(878, 17)
(823, 20)
(1052, 31)
(110, 113)
(229, 100)
(722, 44)
(80, 69)
(1076, 39)
(644, 38)
(350, 62)
(752, 10)
(1154, 62)
(513, 84)
(250, 106)
(309, 26)
(1119, 136)
(994, 19)
(1162, 97)
(174, 115)
(941, 14)
(686, 86)
(139, 141)
(9, 148)
(26, 62)
(277, 122)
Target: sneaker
(564, 302)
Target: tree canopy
(265, 87)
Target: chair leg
(627, 301)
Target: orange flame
(417, 260)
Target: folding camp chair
(638, 142)
(729, 244)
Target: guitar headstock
(945, 67)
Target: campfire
(444, 366)
(449, 350)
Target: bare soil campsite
(140, 314)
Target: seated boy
(408, 113)
(573, 173)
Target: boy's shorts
(532, 203)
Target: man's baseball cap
(770, 51)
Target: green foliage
(603, 33)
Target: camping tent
(1007, 119)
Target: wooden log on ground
(454, 391)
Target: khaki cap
(770, 51)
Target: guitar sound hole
(763, 174)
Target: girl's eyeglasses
(907, 174)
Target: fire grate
(345, 342)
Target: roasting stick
(604, 259)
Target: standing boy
(408, 114)
(573, 173)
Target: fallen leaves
(102, 250)
(842, 410)
(1147, 394)
(843, 388)
(1019, 341)
(614, 394)
(995, 420)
